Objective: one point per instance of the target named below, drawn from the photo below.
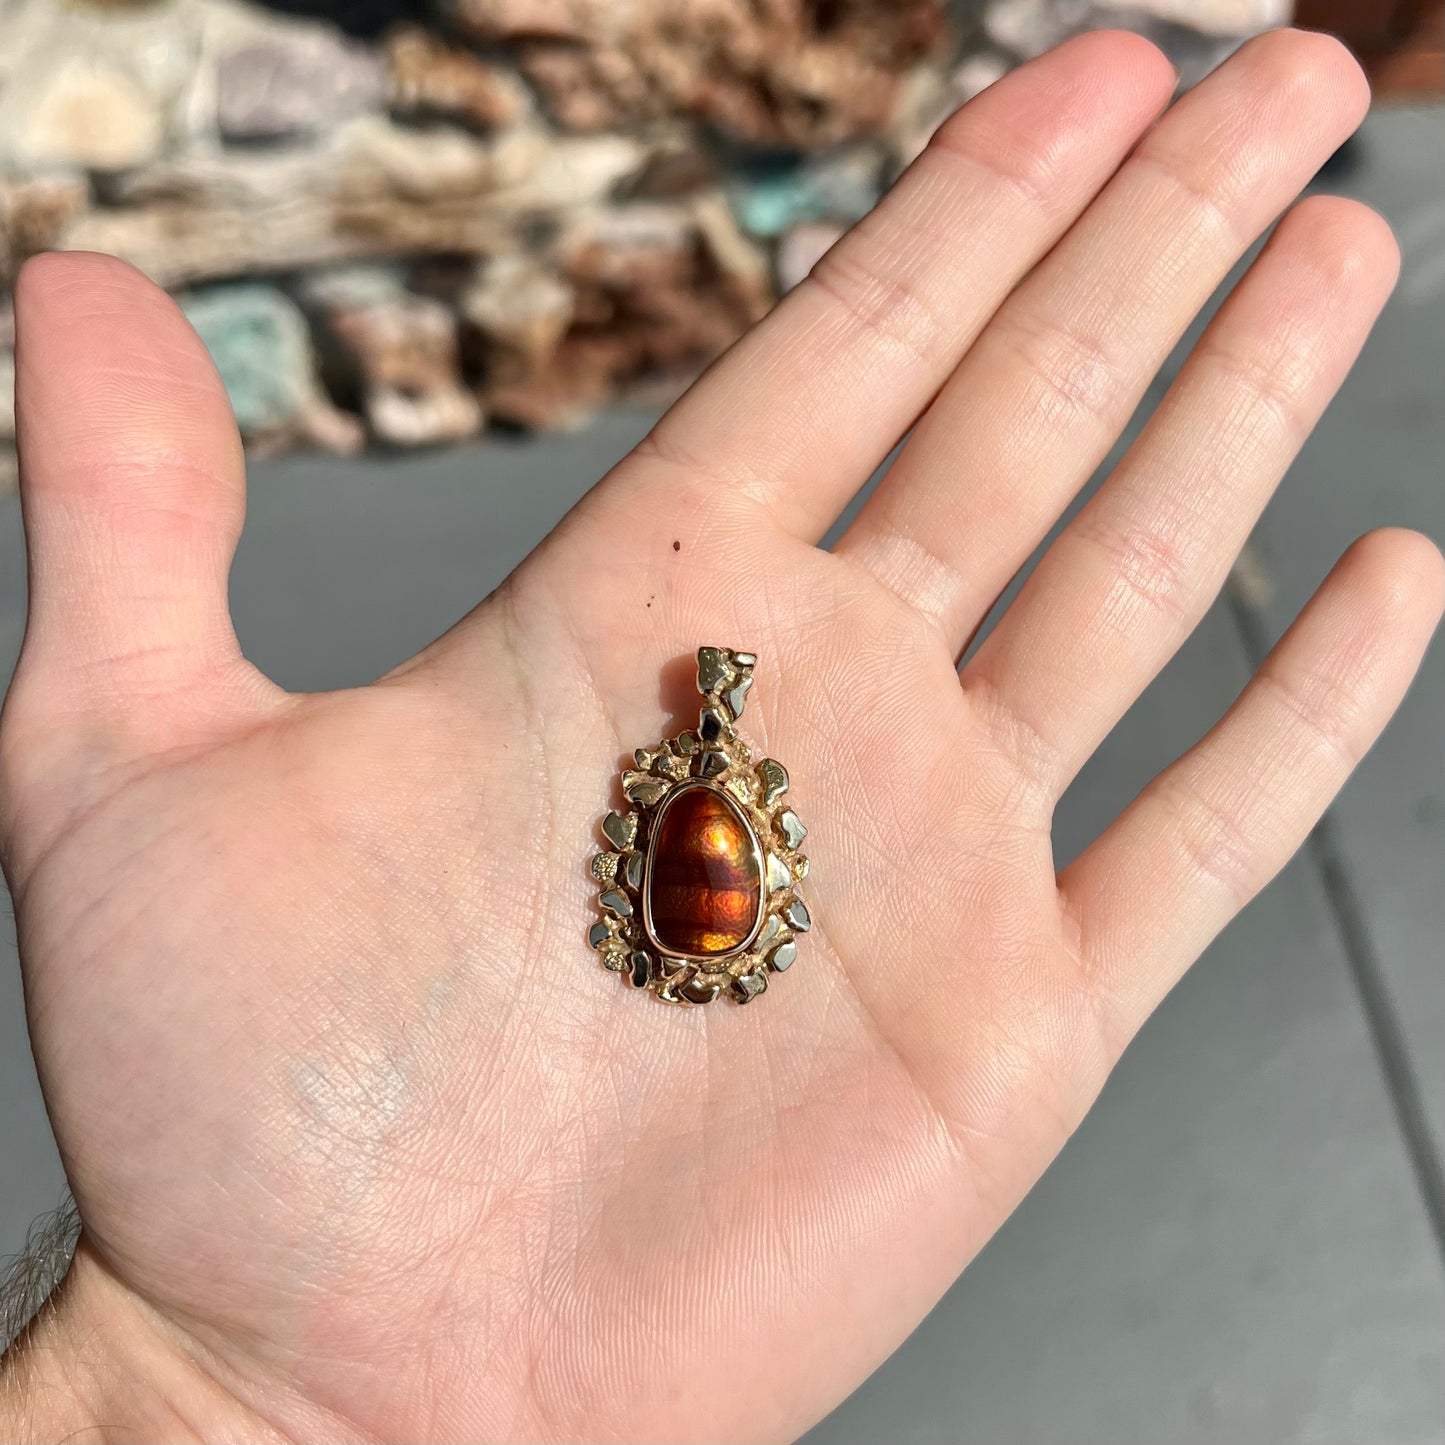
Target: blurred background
(452, 257)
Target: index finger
(800, 412)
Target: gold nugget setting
(699, 886)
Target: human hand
(364, 1142)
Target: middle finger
(1034, 408)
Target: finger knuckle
(882, 303)
(1324, 707)
(1269, 386)
(1214, 840)
(1033, 756)
(1073, 367)
(1027, 168)
(1147, 564)
(1208, 195)
(1289, 99)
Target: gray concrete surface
(1243, 1243)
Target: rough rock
(521, 308)
(295, 82)
(677, 167)
(400, 349)
(372, 189)
(7, 396)
(83, 114)
(428, 77)
(111, 87)
(655, 296)
(499, 208)
(35, 214)
(843, 187)
(91, 88)
(780, 72)
(261, 347)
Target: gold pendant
(699, 889)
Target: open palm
(364, 1141)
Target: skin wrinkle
(1331, 717)
(138, 772)
(1209, 211)
(946, 1130)
(548, 826)
(1077, 370)
(887, 308)
(1032, 756)
(943, 578)
(659, 446)
(1148, 569)
(1029, 178)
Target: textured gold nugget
(699, 888)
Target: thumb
(133, 493)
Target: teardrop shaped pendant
(699, 886)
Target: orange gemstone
(704, 874)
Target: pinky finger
(1212, 829)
